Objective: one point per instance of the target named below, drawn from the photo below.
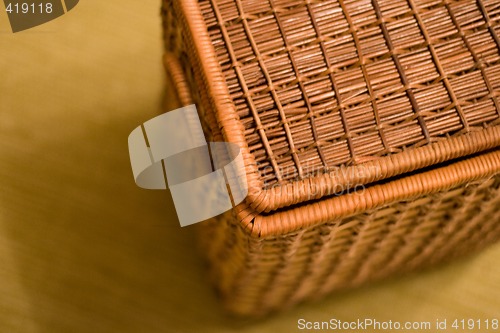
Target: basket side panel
(255, 276)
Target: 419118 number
(29, 8)
(475, 324)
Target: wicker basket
(369, 129)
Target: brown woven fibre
(318, 85)
(327, 84)
(255, 276)
(369, 129)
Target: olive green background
(82, 249)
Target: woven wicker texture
(318, 84)
(398, 104)
(255, 276)
(399, 97)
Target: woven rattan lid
(323, 96)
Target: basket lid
(324, 96)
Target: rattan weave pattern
(434, 191)
(266, 196)
(256, 276)
(318, 84)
